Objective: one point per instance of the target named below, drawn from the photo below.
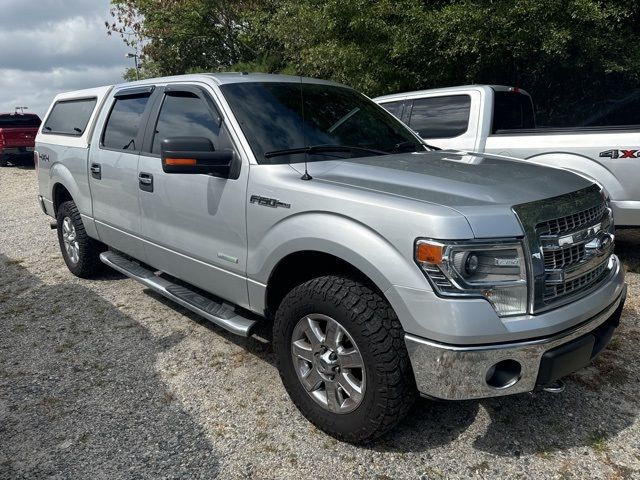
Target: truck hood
(483, 188)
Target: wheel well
(299, 267)
(60, 195)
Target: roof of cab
(452, 90)
(223, 78)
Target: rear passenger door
(194, 223)
(443, 121)
(113, 169)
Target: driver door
(194, 224)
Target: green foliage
(569, 54)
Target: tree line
(574, 56)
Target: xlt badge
(269, 202)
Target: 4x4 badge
(620, 154)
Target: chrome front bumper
(464, 372)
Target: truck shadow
(80, 394)
(628, 248)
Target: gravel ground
(105, 379)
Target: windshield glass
(276, 116)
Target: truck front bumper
(460, 372)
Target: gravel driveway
(105, 379)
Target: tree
(569, 54)
(178, 36)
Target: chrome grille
(571, 263)
(570, 242)
(572, 222)
(576, 285)
(554, 259)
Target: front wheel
(342, 358)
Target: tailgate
(19, 137)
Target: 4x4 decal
(621, 154)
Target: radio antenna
(306, 175)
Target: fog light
(504, 374)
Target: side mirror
(195, 155)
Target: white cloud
(65, 47)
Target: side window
(512, 110)
(441, 117)
(183, 114)
(394, 108)
(69, 117)
(123, 124)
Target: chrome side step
(218, 313)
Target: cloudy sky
(52, 46)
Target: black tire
(371, 322)
(3, 161)
(88, 263)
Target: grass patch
(598, 442)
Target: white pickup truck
(501, 120)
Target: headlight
(495, 271)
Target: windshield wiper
(322, 148)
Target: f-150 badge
(268, 202)
(621, 154)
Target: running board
(216, 312)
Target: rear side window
(394, 108)
(183, 114)
(123, 124)
(512, 111)
(19, 121)
(441, 117)
(69, 117)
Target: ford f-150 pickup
(385, 268)
(17, 136)
(500, 120)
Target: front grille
(561, 257)
(572, 222)
(555, 259)
(570, 243)
(576, 285)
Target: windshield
(280, 116)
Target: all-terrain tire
(88, 262)
(371, 322)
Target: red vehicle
(17, 137)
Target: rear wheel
(81, 253)
(342, 358)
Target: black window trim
(403, 107)
(410, 104)
(130, 92)
(68, 100)
(154, 114)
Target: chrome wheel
(70, 239)
(328, 363)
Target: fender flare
(337, 235)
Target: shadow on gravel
(79, 396)
(259, 344)
(628, 248)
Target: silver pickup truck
(501, 120)
(384, 267)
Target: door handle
(145, 181)
(96, 171)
